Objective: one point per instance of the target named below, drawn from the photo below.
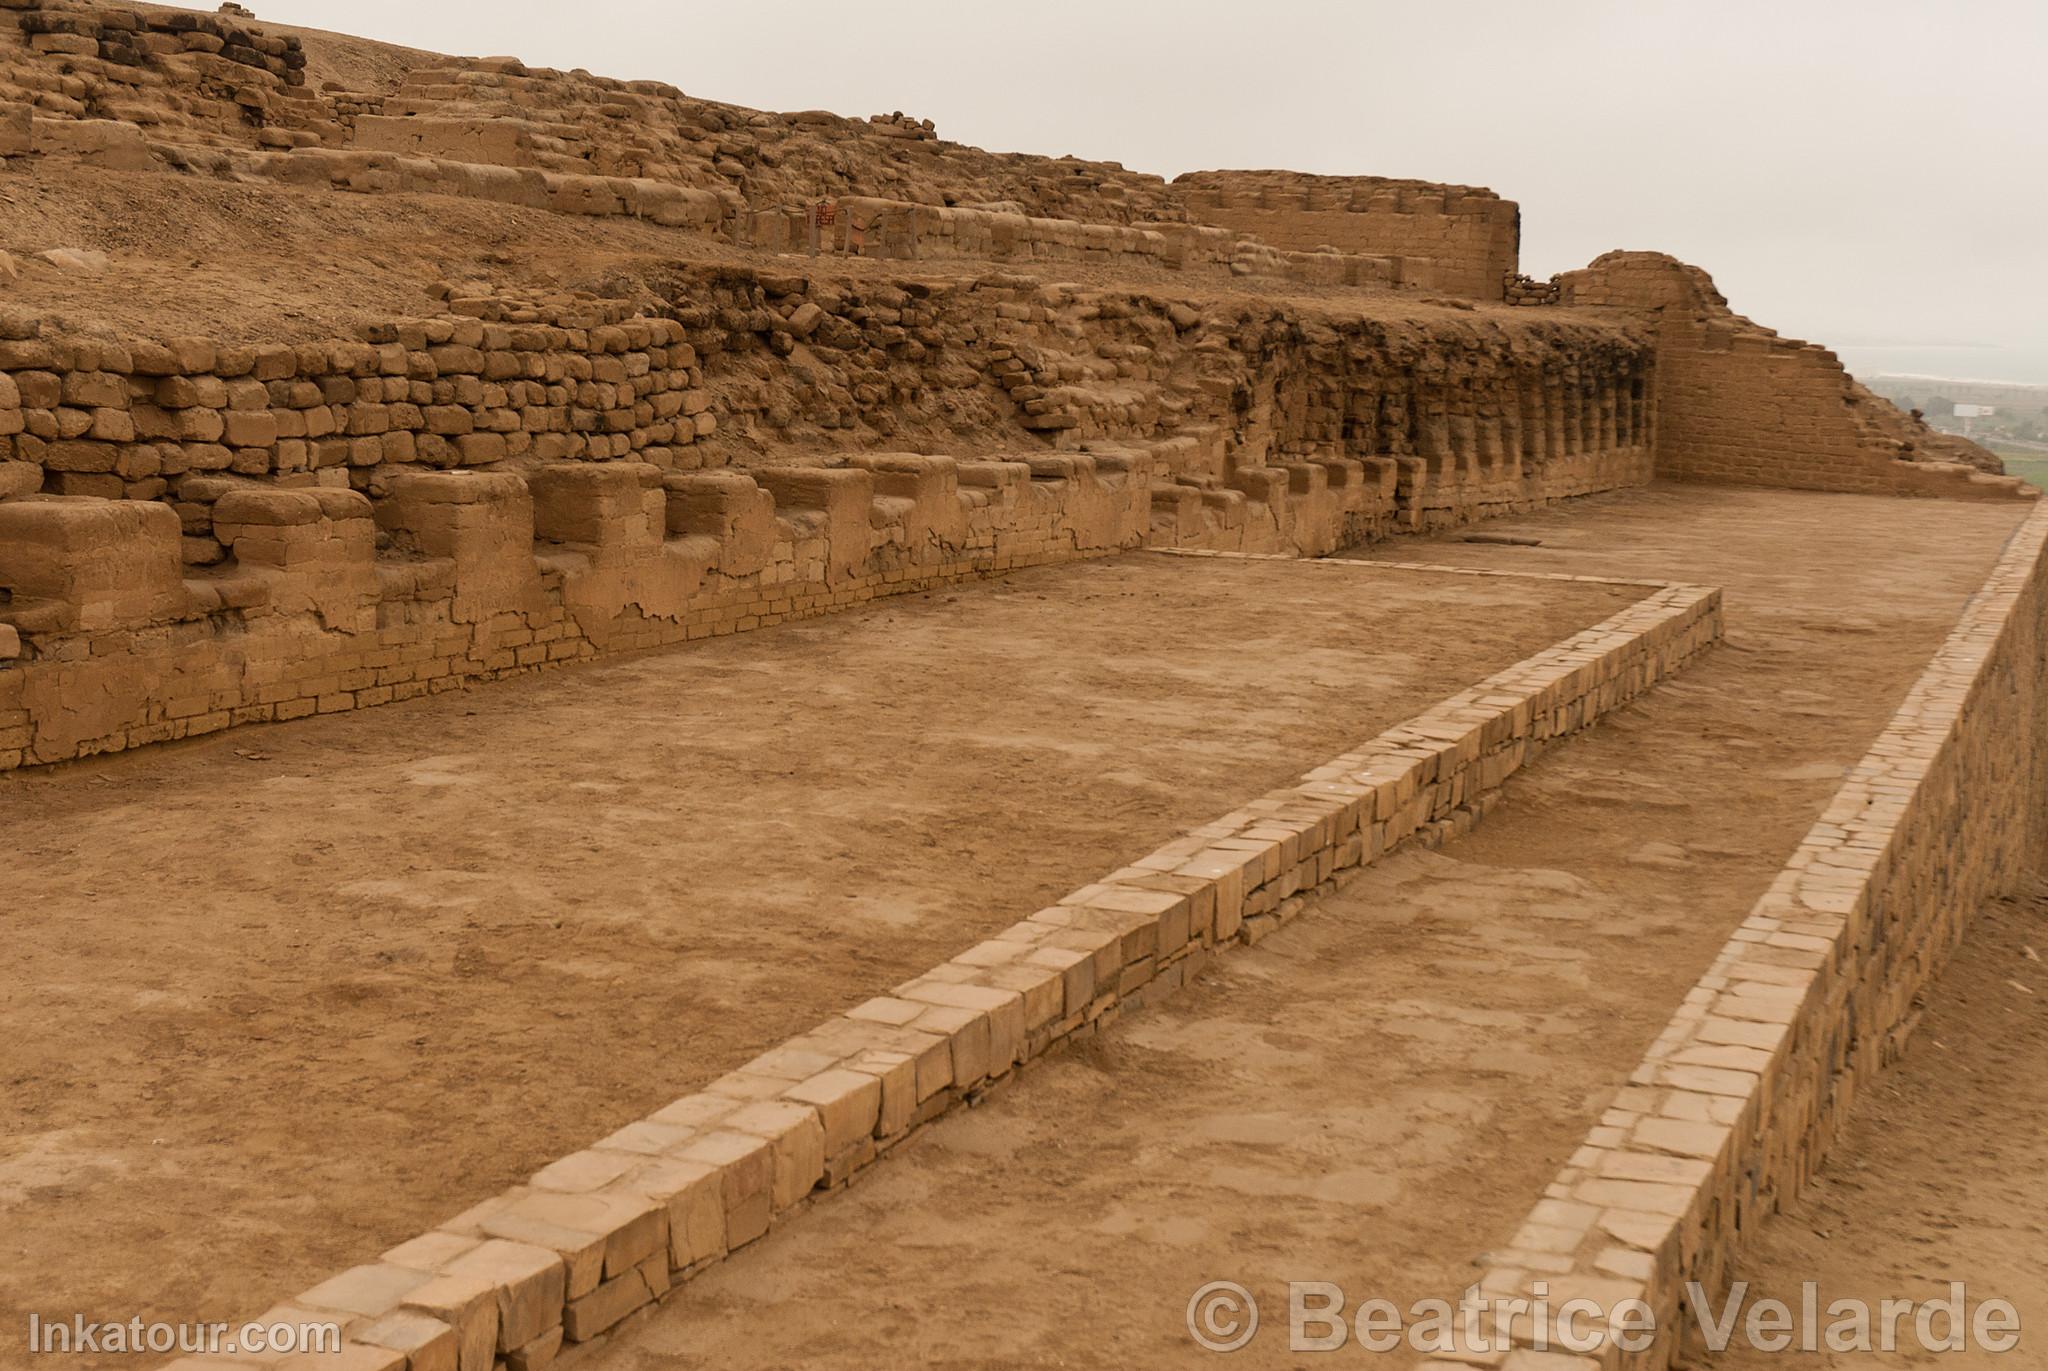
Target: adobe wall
(1276, 427)
(1119, 363)
(196, 534)
(1741, 1097)
(368, 171)
(1456, 239)
(1457, 422)
(901, 230)
(1738, 403)
(179, 421)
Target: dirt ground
(1376, 1094)
(1943, 1173)
(279, 999)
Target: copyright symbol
(1222, 1316)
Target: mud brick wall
(1470, 238)
(602, 1232)
(1207, 501)
(1739, 1100)
(502, 110)
(863, 226)
(1740, 404)
(328, 600)
(795, 360)
(196, 534)
(196, 82)
(905, 231)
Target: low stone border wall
(1740, 1097)
(600, 1233)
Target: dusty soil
(1375, 1095)
(279, 999)
(1943, 1173)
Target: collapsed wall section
(899, 230)
(217, 96)
(1276, 426)
(1740, 404)
(1477, 416)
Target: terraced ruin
(1615, 713)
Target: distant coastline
(1975, 365)
(1960, 380)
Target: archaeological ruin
(615, 710)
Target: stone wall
(1739, 1100)
(1075, 363)
(196, 534)
(595, 1235)
(1456, 239)
(1740, 404)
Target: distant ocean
(1955, 363)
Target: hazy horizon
(1867, 176)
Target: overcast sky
(1860, 173)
